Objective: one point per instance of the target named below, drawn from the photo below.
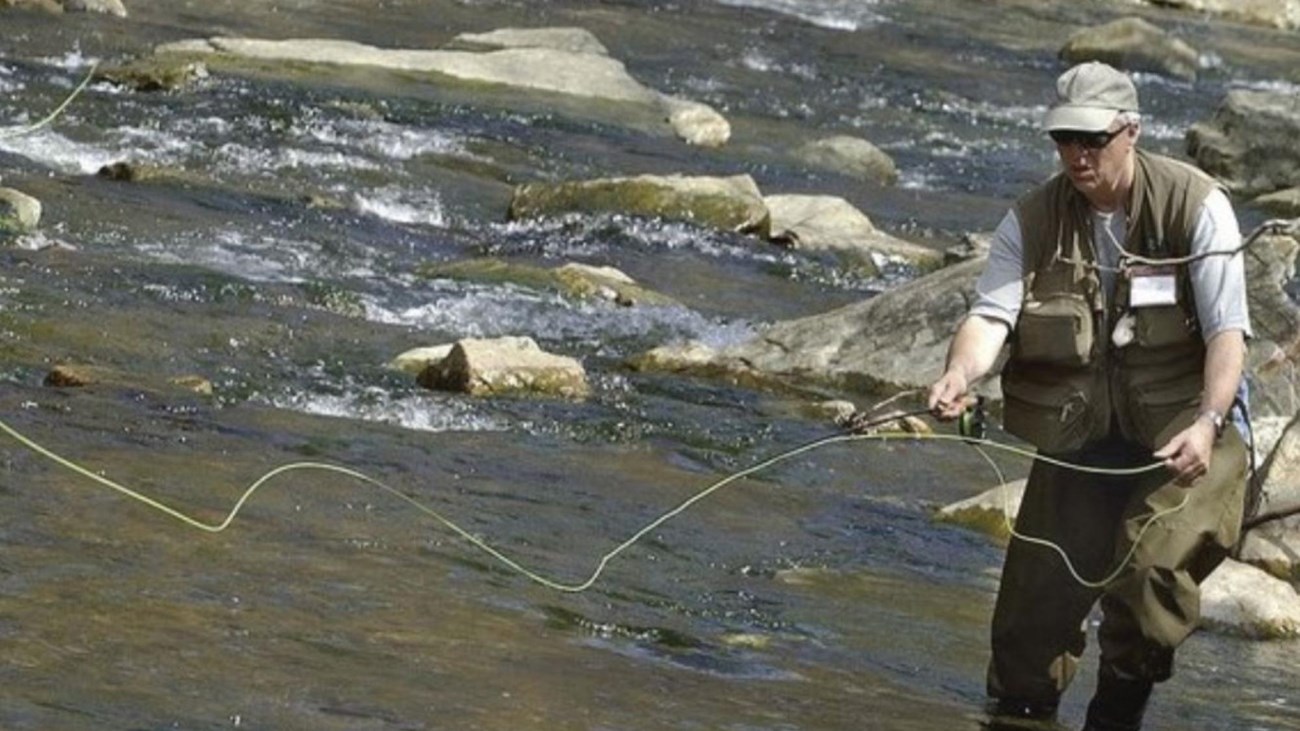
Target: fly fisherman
(1111, 362)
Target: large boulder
(1249, 142)
(1242, 600)
(19, 213)
(828, 223)
(506, 366)
(1275, 545)
(895, 341)
(1271, 13)
(851, 156)
(537, 66)
(1134, 44)
(732, 204)
(1275, 350)
(1283, 203)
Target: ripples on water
(817, 595)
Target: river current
(818, 594)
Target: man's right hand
(948, 395)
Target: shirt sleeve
(1219, 282)
(1000, 289)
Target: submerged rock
(506, 366)
(850, 156)
(1249, 141)
(732, 204)
(574, 280)
(154, 73)
(1133, 44)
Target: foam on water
(400, 205)
(846, 15)
(376, 405)
(481, 311)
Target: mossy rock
(729, 204)
(155, 73)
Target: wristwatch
(1215, 418)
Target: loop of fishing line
(604, 560)
(7, 132)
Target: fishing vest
(1067, 382)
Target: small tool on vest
(1125, 329)
(973, 423)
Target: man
(1113, 364)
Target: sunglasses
(1086, 140)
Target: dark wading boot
(1118, 704)
(1005, 714)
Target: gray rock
(895, 341)
(1284, 203)
(990, 512)
(573, 40)
(1249, 142)
(506, 366)
(578, 74)
(828, 223)
(416, 360)
(1243, 600)
(19, 213)
(1270, 13)
(1134, 44)
(850, 156)
(1274, 352)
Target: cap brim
(1085, 119)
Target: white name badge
(1153, 287)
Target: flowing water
(818, 594)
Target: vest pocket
(1160, 327)
(1055, 418)
(1056, 330)
(1164, 409)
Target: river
(819, 594)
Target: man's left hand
(1188, 453)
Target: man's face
(1095, 161)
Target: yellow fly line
(605, 559)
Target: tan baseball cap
(1089, 97)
